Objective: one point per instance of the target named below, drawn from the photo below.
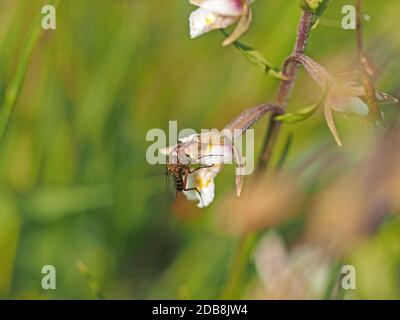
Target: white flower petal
(196, 2)
(214, 154)
(352, 105)
(206, 188)
(203, 180)
(203, 21)
(230, 8)
(208, 148)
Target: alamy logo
(349, 21)
(49, 20)
(348, 277)
(49, 280)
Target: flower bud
(310, 5)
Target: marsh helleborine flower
(207, 153)
(210, 151)
(341, 95)
(218, 14)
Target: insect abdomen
(179, 184)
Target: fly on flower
(209, 152)
(177, 176)
(197, 159)
(218, 14)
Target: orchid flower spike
(218, 14)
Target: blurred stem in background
(241, 255)
(91, 281)
(10, 229)
(366, 69)
(14, 89)
(334, 290)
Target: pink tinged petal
(240, 169)
(330, 121)
(242, 26)
(351, 105)
(202, 21)
(229, 8)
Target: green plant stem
(334, 290)
(242, 251)
(13, 90)
(285, 151)
(285, 89)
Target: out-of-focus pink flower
(340, 95)
(300, 273)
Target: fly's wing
(170, 184)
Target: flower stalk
(285, 89)
(289, 74)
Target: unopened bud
(310, 5)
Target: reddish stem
(285, 88)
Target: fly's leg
(187, 172)
(197, 169)
(198, 192)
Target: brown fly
(177, 173)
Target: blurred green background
(74, 181)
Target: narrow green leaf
(257, 59)
(319, 12)
(302, 114)
(298, 116)
(285, 151)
